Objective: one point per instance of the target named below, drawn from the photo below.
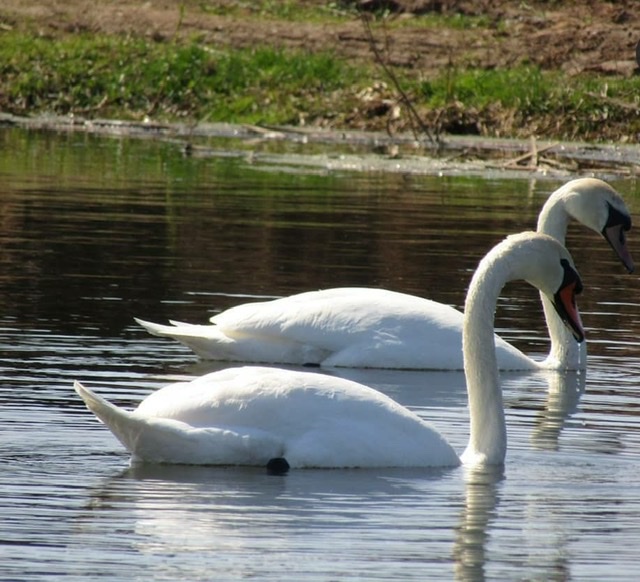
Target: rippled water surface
(95, 231)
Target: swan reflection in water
(422, 516)
(483, 484)
(214, 520)
(482, 489)
(563, 397)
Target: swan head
(547, 265)
(597, 205)
(543, 262)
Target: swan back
(544, 263)
(250, 415)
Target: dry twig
(417, 124)
(532, 155)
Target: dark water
(97, 230)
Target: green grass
(130, 78)
(455, 21)
(523, 87)
(134, 77)
(585, 106)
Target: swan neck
(488, 439)
(554, 217)
(564, 353)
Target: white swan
(281, 418)
(596, 205)
(360, 327)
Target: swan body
(362, 327)
(342, 327)
(250, 415)
(253, 415)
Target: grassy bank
(132, 78)
(119, 76)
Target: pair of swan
(361, 327)
(280, 419)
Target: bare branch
(416, 122)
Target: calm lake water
(96, 230)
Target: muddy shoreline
(335, 150)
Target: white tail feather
(164, 440)
(156, 328)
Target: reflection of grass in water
(77, 160)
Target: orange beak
(565, 304)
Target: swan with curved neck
(282, 418)
(599, 207)
(375, 328)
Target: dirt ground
(572, 36)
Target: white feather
(361, 327)
(250, 415)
